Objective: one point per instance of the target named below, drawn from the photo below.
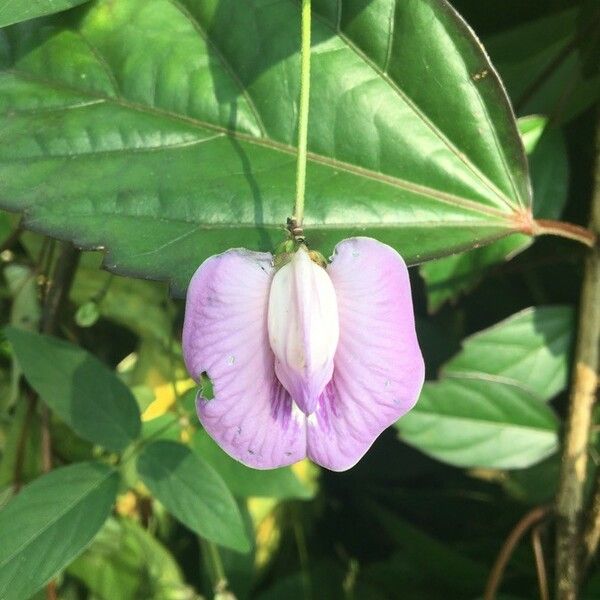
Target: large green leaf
(164, 130)
(244, 481)
(487, 409)
(448, 277)
(50, 522)
(82, 391)
(193, 493)
(13, 11)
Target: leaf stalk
(570, 495)
(567, 230)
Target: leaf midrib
(66, 509)
(423, 117)
(451, 199)
(385, 77)
(478, 421)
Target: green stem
(303, 113)
(217, 565)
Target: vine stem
(570, 494)
(591, 536)
(303, 112)
(533, 517)
(54, 300)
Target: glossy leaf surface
(531, 349)
(479, 423)
(164, 131)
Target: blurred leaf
(535, 485)
(190, 130)
(22, 284)
(137, 305)
(322, 580)
(50, 522)
(479, 422)
(82, 391)
(6, 227)
(193, 493)
(87, 314)
(549, 167)
(542, 67)
(451, 276)
(531, 349)
(13, 11)
(487, 409)
(164, 427)
(531, 129)
(440, 562)
(127, 562)
(25, 313)
(244, 481)
(31, 451)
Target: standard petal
(379, 368)
(251, 416)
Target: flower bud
(303, 328)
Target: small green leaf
(14, 11)
(531, 349)
(87, 314)
(244, 481)
(531, 129)
(193, 493)
(50, 522)
(82, 391)
(477, 422)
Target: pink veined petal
(251, 416)
(379, 369)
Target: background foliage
(163, 131)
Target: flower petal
(251, 416)
(303, 328)
(379, 368)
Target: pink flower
(304, 361)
